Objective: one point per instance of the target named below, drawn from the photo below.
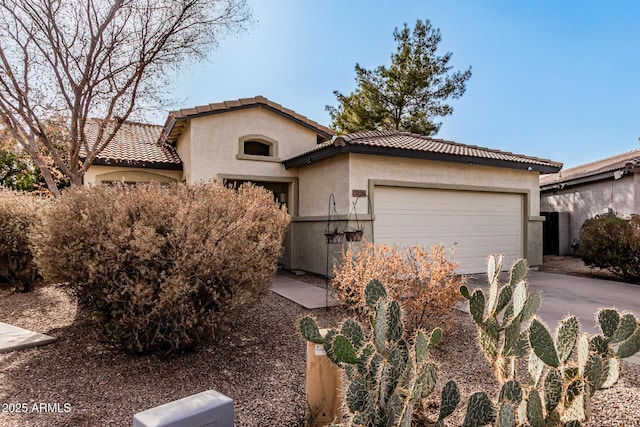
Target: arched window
(254, 147)
(258, 147)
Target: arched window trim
(272, 143)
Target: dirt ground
(573, 266)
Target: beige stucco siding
(215, 144)
(183, 147)
(434, 174)
(586, 201)
(318, 180)
(97, 174)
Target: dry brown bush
(424, 281)
(162, 268)
(19, 213)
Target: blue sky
(558, 80)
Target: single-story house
(607, 185)
(400, 188)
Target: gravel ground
(261, 366)
(574, 266)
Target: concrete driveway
(563, 295)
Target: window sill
(257, 158)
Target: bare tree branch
(65, 63)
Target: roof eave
(329, 151)
(171, 120)
(137, 164)
(604, 176)
(416, 154)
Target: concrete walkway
(307, 295)
(14, 338)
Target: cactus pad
(421, 346)
(310, 331)
(480, 411)
(503, 298)
(599, 344)
(357, 395)
(593, 372)
(534, 409)
(542, 343)
(489, 338)
(512, 392)
(450, 399)
(631, 345)
(552, 389)
(520, 295)
(583, 352)
(518, 271)
(464, 291)
(373, 292)
(506, 416)
(380, 328)
(494, 267)
(434, 338)
(611, 373)
(353, 331)
(344, 351)
(394, 321)
(566, 337)
(531, 306)
(476, 306)
(626, 327)
(535, 368)
(608, 321)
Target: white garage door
(477, 223)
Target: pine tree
(406, 96)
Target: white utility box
(206, 409)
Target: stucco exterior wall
(97, 174)
(216, 145)
(183, 147)
(588, 200)
(318, 180)
(363, 168)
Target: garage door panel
(476, 223)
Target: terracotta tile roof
(135, 144)
(427, 147)
(172, 130)
(590, 170)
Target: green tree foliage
(409, 94)
(16, 171)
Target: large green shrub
(162, 268)
(611, 242)
(19, 212)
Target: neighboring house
(409, 189)
(607, 185)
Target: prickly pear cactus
(388, 377)
(565, 369)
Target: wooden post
(323, 386)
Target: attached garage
(408, 189)
(477, 223)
